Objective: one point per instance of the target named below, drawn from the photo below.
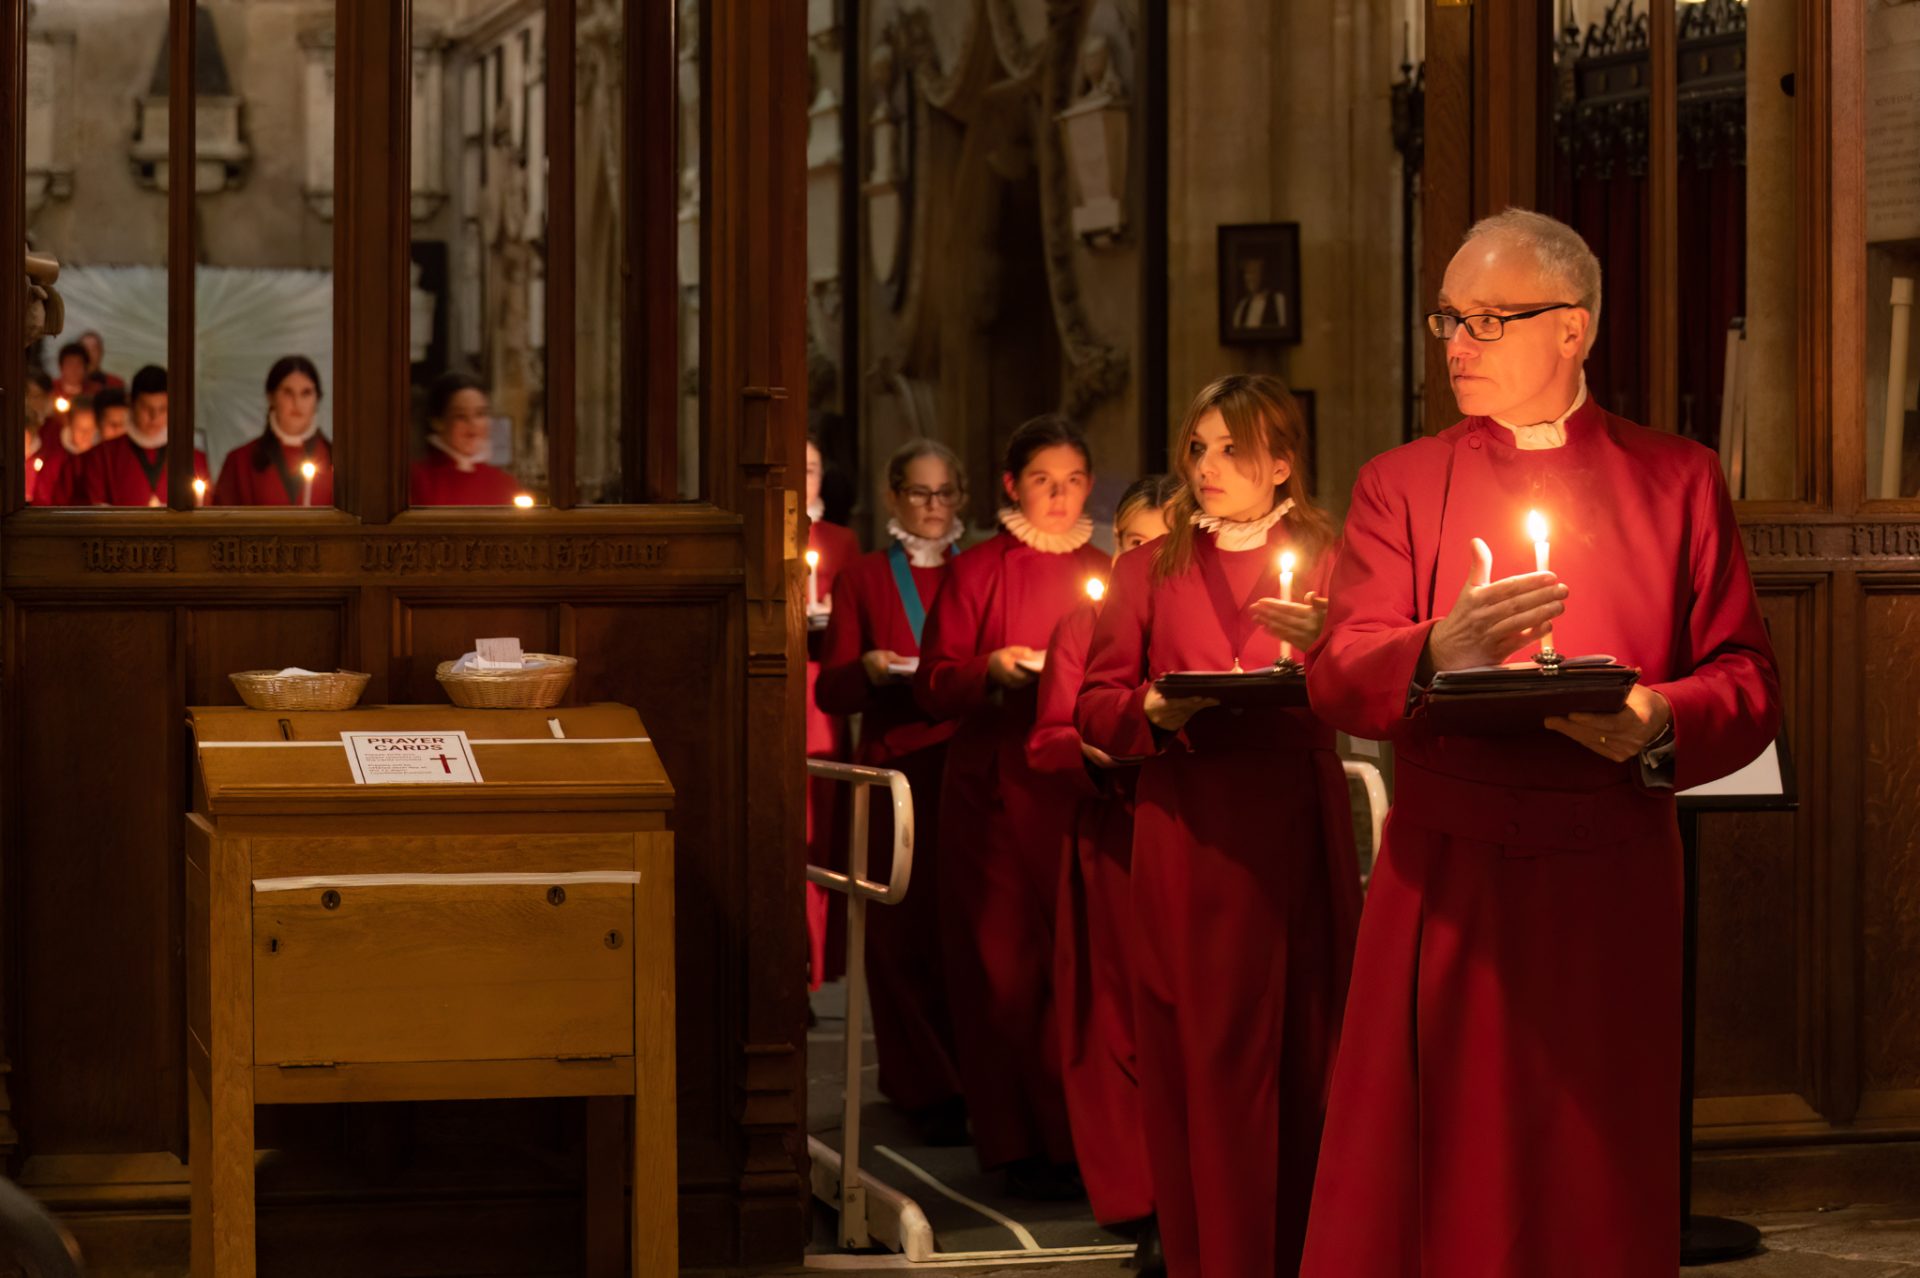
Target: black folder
(1269, 686)
(1498, 701)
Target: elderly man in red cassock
(1503, 1103)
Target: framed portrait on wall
(1259, 283)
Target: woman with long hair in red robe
(1245, 887)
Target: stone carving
(46, 314)
(1094, 133)
(885, 189)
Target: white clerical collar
(1242, 534)
(817, 509)
(460, 459)
(926, 552)
(1045, 542)
(1546, 435)
(292, 441)
(144, 440)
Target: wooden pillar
(1446, 187)
(1663, 224)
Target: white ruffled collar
(290, 440)
(463, 462)
(1545, 435)
(926, 552)
(141, 439)
(1045, 542)
(1242, 534)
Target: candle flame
(523, 500)
(1286, 563)
(1096, 589)
(813, 560)
(62, 403)
(199, 488)
(1536, 526)
(38, 462)
(309, 470)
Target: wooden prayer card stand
(1766, 785)
(433, 942)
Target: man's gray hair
(1562, 255)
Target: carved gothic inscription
(511, 554)
(101, 554)
(1895, 541)
(1780, 541)
(264, 554)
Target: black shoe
(943, 1124)
(1148, 1260)
(1038, 1180)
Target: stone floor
(1852, 1242)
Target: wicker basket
(271, 690)
(509, 689)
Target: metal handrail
(1369, 776)
(861, 892)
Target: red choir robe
(435, 479)
(826, 739)
(119, 472)
(51, 474)
(906, 977)
(1246, 891)
(1093, 941)
(1503, 1106)
(1004, 833)
(279, 482)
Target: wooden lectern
(351, 942)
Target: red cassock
(906, 977)
(1004, 832)
(1246, 893)
(1093, 941)
(51, 475)
(437, 480)
(278, 482)
(1504, 1102)
(121, 473)
(826, 739)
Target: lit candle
(38, 462)
(1096, 589)
(199, 491)
(1537, 534)
(307, 471)
(813, 581)
(523, 500)
(1286, 596)
(61, 404)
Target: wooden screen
(678, 604)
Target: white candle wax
(1286, 596)
(813, 581)
(307, 471)
(1537, 531)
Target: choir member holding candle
(454, 470)
(830, 549)
(1504, 1097)
(880, 605)
(54, 474)
(1004, 825)
(291, 462)
(131, 470)
(1246, 890)
(1093, 964)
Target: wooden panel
(1446, 189)
(96, 829)
(658, 658)
(444, 972)
(260, 636)
(1889, 754)
(1752, 1014)
(429, 631)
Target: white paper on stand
(497, 654)
(411, 758)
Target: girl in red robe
(1004, 825)
(459, 437)
(831, 548)
(1093, 947)
(267, 471)
(880, 605)
(1245, 887)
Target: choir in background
(1134, 961)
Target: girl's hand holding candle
(1295, 625)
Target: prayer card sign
(411, 758)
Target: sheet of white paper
(497, 654)
(1757, 779)
(1035, 663)
(411, 758)
(904, 666)
(295, 672)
